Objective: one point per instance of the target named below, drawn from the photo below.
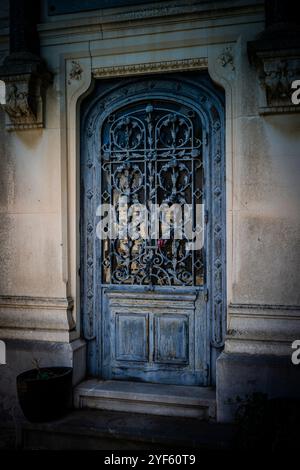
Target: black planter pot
(44, 395)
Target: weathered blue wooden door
(152, 302)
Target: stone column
(23, 18)
(276, 55)
(23, 71)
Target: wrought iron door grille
(152, 154)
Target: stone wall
(39, 186)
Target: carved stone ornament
(276, 76)
(25, 78)
(151, 67)
(226, 58)
(75, 72)
(276, 55)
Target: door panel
(171, 339)
(131, 336)
(147, 314)
(151, 337)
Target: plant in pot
(44, 393)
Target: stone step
(146, 398)
(114, 430)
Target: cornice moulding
(151, 67)
(36, 318)
(286, 312)
(16, 301)
(92, 21)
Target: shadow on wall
(2, 92)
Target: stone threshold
(113, 430)
(147, 398)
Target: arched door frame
(211, 100)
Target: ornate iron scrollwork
(152, 154)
